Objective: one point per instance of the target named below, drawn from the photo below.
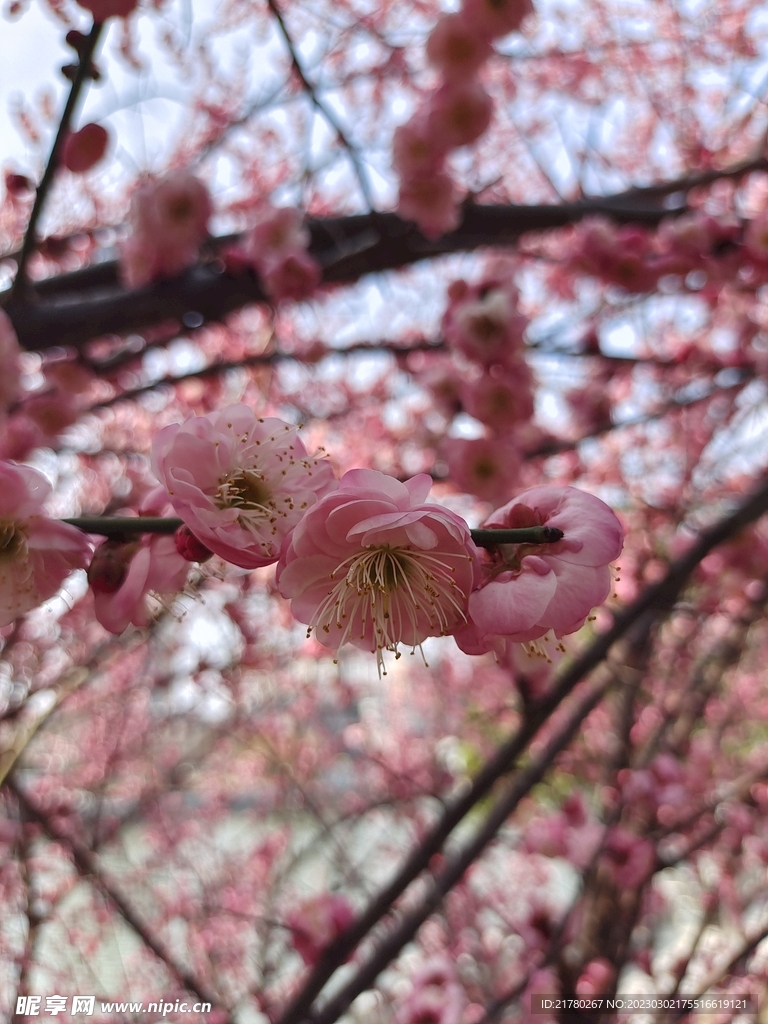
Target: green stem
(522, 535)
(115, 526)
(110, 526)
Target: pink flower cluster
(276, 248)
(456, 113)
(169, 220)
(366, 560)
(493, 383)
(635, 258)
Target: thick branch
(348, 248)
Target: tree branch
(87, 867)
(81, 77)
(656, 600)
(321, 107)
(348, 248)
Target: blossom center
(247, 490)
(384, 592)
(180, 209)
(12, 541)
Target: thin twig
(112, 526)
(81, 77)
(87, 867)
(328, 114)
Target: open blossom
(455, 48)
(416, 152)
(438, 997)
(36, 554)
(528, 589)
(122, 575)
(276, 247)
(169, 220)
(459, 112)
(372, 565)
(278, 231)
(431, 201)
(294, 277)
(485, 466)
(483, 324)
(317, 922)
(501, 398)
(239, 482)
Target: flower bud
(189, 547)
(109, 566)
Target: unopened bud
(109, 566)
(189, 547)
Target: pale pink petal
(510, 606)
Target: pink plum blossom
(317, 922)
(372, 565)
(630, 858)
(441, 377)
(169, 220)
(416, 152)
(36, 554)
(484, 466)
(276, 248)
(459, 112)
(294, 277)
(122, 575)
(482, 323)
(279, 230)
(456, 48)
(528, 589)
(501, 398)
(619, 255)
(430, 200)
(495, 18)
(438, 997)
(241, 483)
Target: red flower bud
(83, 150)
(109, 566)
(189, 547)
